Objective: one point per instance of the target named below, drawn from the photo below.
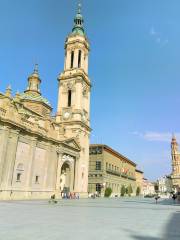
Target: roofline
(137, 170)
(117, 154)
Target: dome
(34, 97)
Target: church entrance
(65, 178)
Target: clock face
(66, 115)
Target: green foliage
(138, 191)
(129, 190)
(123, 190)
(108, 192)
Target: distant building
(148, 187)
(139, 180)
(108, 168)
(175, 163)
(164, 184)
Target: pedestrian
(156, 198)
(174, 197)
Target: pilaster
(10, 157)
(29, 175)
(4, 134)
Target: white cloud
(157, 37)
(157, 136)
(152, 31)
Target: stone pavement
(87, 219)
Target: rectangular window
(106, 166)
(98, 165)
(18, 178)
(79, 59)
(98, 187)
(72, 59)
(37, 179)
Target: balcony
(113, 172)
(131, 178)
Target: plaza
(114, 218)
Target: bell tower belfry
(175, 162)
(73, 110)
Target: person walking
(174, 197)
(156, 198)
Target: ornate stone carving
(67, 158)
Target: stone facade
(108, 168)
(139, 180)
(175, 163)
(165, 185)
(148, 187)
(41, 154)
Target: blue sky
(134, 67)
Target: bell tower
(175, 162)
(73, 110)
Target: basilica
(41, 154)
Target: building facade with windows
(148, 187)
(165, 185)
(41, 154)
(108, 168)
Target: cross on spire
(79, 7)
(36, 68)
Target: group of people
(64, 195)
(174, 196)
(69, 195)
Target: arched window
(72, 59)
(69, 98)
(79, 58)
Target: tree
(138, 191)
(129, 190)
(108, 192)
(123, 190)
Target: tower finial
(79, 8)
(78, 22)
(36, 68)
(8, 91)
(173, 136)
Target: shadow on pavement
(171, 231)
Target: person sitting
(53, 199)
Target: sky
(134, 68)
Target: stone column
(46, 165)
(76, 53)
(4, 134)
(30, 163)
(86, 63)
(58, 173)
(78, 97)
(10, 157)
(76, 173)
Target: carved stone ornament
(67, 158)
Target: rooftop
(114, 152)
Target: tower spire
(34, 81)
(79, 8)
(36, 69)
(78, 22)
